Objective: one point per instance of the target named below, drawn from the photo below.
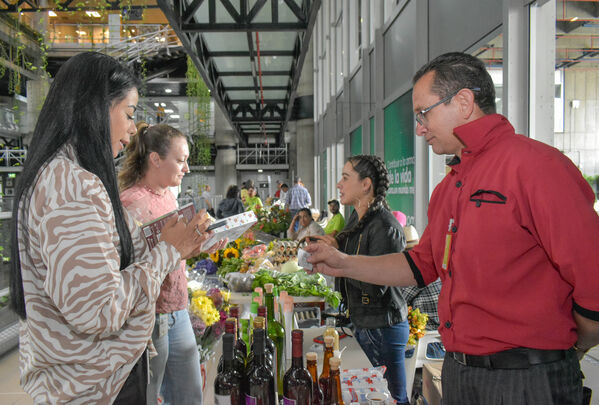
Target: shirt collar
(477, 134)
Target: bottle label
(287, 401)
(222, 399)
(249, 400)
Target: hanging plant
(199, 116)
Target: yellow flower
(231, 252)
(215, 256)
(204, 308)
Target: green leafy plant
(199, 115)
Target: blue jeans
(175, 372)
(386, 346)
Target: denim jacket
(373, 306)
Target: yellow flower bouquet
(417, 322)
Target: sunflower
(215, 256)
(231, 252)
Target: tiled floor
(12, 394)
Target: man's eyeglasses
(421, 119)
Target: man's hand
(326, 259)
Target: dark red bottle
(240, 345)
(227, 384)
(260, 384)
(297, 382)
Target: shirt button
(454, 229)
(448, 324)
(458, 184)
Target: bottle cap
(254, 308)
(311, 356)
(328, 341)
(268, 287)
(259, 322)
(258, 290)
(283, 295)
(258, 300)
(335, 362)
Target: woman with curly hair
(378, 312)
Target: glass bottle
(238, 357)
(331, 331)
(297, 382)
(260, 382)
(227, 384)
(241, 344)
(335, 397)
(323, 380)
(259, 323)
(312, 366)
(277, 333)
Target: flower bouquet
(273, 220)
(208, 309)
(417, 322)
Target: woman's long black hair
(77, 112)
(374, 168)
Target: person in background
(379, 312)
(231, 204)
(336, 223)
(156, 159)
(253, 202)
(278, 192)
(207, 199)
(283, 194)
(83, 279)
(307, 225)
(244, 191)
(297, 198)
(518, 261)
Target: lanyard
(448, 240)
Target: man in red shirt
(513, 236)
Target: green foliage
(593, 182)
(273, 220)
(199, 109)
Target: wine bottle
(259, 323)
(238, 357)
(297, 382)
(277, 333)
(311, 365)
(227, 384)
(331, 331)
(260, 384)
(323, 380)
(241, 344)
(335, 397)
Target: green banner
(399, 155)
(355, 142)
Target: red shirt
(525, 243)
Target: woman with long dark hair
(378, 312)
(83, 279)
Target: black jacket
(229, 207)
(373, 306)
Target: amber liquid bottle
(260, 382)
(227, 384)
(312, 366)
(334, 394)
(297, 382)
(323, 380)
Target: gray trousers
(557, 383)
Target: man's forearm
(588, 332)
(392, 269)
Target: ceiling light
(81, 33)
(260, 170)
(168, 111)
(573, 19)
(167, 90)
(52, 14)
(174, 116)
(162, 105)
(94, 14)
(156, 104)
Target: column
(225, 173)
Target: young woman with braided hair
(378, 313)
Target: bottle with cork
(312, 366)
(323, 380)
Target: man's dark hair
(232, 192)
(284, 185)
(335, 206)
(455, 71)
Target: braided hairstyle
(155, 138)
(374, 168)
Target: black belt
(518, 358)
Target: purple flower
(208, 265)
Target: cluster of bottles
(252, 371)
(254, 383)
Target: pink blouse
(144, 204)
